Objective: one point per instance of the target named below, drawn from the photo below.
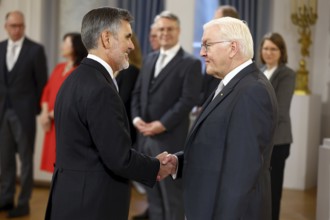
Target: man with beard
(94, 158)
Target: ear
(105, 39)
(233, 49)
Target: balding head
(15, 25)
(226, 11)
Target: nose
(131, 45)
(202, 52)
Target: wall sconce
(303, 15)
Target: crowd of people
(112, 117)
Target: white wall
(32, 11)
(318, 62)
(184, 9)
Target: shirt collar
(172, 51)
(270, 72)
(103, 63)
(235, 71)
(18, 43)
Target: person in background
(23, 75)
(273, 56)
(153, 39)
(167, 88)
(73, 51)
(226, 159)
(209, 82)
(126, 79)
(94, 157)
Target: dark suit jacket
(168, 98)
(21, 88)
(210, 84)
(227, 154)
(94, 159)
(283, 82)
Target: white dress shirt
(18, 46)
(169, 55)
(269, 72)
(106, 66)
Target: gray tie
(160, 64)
(220, 87)
(11, 58)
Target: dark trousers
(279, 155)
(14, 140)
(166, 197)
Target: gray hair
(100, 19)
(232, 29)
(169, 15)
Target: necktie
(220, 87)
(116, 84)
(160, 64)
(11, 57)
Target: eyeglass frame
(206, 45)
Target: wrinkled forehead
(211, 31)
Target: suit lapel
(167, 69)
(210, 105)
(151, 69)
(274, 77)
(19, 62)
(101, 69)
(3, 51)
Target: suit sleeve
(106, 120)
(40, 72)
(249, 136)
(190, 95)
(180, 156)
(135, 101)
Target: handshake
(168, 165)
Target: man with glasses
(167, 89)
(226, 160)
(209, 82)
(23, 74)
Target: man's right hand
(168, 165)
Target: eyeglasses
(271, 49)
(206, 46)
(14, 26)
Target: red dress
(49, 95)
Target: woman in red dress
(73, 51)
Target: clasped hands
(151, 128)
(168, 165)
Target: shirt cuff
(177, 167)
(136, 119)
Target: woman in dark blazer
(274, 57)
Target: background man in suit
(227, 154)
(153, 38)
(94, 158)
(23, 74)
(167, 89)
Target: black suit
(94, 159)
(225, 165)
(20, 92)
(168, 98)
(210, 83)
